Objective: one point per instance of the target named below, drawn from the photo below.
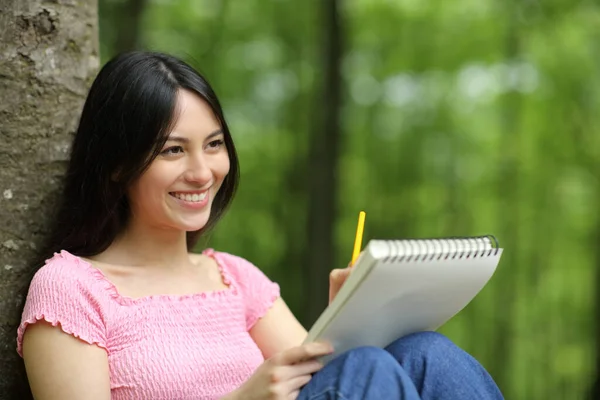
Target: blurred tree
(129, 25)
(457, 118)
(322, 163)
(509, 204)
(122, 31)
(49, 54)
(587, 150)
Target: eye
(216, 144)
(172, 150)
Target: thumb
(338, 274)
(337, 277)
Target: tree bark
(322, 167)
(48, 55)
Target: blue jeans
(421, 366)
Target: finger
(295, 384)
(345, 273)
(287, 373)
(339, 273)
(293, 395)
(334, 284)
(337, 278)
(284, 373)
(304, 368)
(336, 273)
(303, 353)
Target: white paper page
(402, 298)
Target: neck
(148, 247)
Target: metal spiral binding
(448, 248)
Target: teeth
(193, 198)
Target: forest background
(438, 118)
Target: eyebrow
(179, 139)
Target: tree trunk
(322, 167)
(509, 189)
(595, 244)
(129, 25)
(48, 54)
(290, 212)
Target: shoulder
(233, 263)
(65, 292)
(242, 270)
(65, 273)
(227, 258)
(258, 291)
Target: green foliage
(459, 118)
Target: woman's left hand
(337, 277)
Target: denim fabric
(421, 366)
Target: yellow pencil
(359, 235)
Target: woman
(122, 310)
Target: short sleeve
(63, 295)
(258, 291)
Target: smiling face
(177, 190)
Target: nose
(198, 170)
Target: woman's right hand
(283, 375)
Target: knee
(432, 341)
(361, 373)
(430, 345)
(368, 356)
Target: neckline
(110, 287)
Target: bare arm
(62, 367)
(277, 330)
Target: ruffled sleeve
(258, 291)
(64, 295)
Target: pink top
(159, 347)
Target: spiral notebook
(398, 287)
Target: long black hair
(125, 121)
